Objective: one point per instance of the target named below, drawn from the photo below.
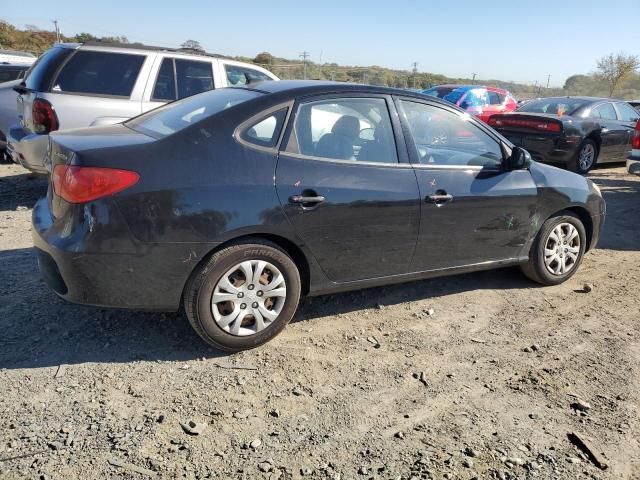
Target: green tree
(614, 68)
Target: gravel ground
(475, 376)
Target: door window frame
(289, 144)
(412, 147)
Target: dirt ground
(475, 376)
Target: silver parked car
(80, 85)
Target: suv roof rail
(140, 46)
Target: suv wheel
(243, 296)
(557, 251)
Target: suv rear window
(38, 77)
(238, 76)
(173, 117)
(99, 73)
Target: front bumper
(109, 268)
(27, 149)
(633, 162)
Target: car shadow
(41, 330)
(622, 224)
(21, 190)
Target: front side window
(357, 129)
(181, 114)
(266, 131)
(627, 112)
(99, 73)
(442, 137)
(604, 111)
(240, 76)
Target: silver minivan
(80, 85)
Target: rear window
(553, 106)
(100, 73)
(38, 77)
(173, 117)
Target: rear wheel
(243, 296)
(586, 157)
(557, 251)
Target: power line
(55, 22)
(415, 72)
(548, 78)
(473, 80)
(304, 55)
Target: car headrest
(347, 126)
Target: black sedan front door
(474, 211)
(344, 187)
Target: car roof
(139, 47)
(298, 88)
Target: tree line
(616, 75)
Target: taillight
(540, 125)
(44, 116)
(636, 137)
(85, 184)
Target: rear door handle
(305, 199)
(440, 198)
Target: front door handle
(305, 199)
(440, 198)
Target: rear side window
(165, 88)
(193, 77)
(604, 111)
(266, 131)
(99, 73)
(239, 76)
(495, 98)
(176, 116)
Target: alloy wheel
(249, 297)
(562, 249)
(586, 157)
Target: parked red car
(483, 102)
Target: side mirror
(519, 159)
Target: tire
(537, 269)
(580, 164)
(238, 297)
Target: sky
(523, 41)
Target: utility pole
(548, 78)
(55, 22)
(304, 55)
(415, 72)
(473, 80)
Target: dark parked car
(11, 71)
(575, 132)
(236, 202)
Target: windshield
(553, 106)
(438, 92)
(175, 116)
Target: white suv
(80, 85)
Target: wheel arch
(290, 248)
(583, 214)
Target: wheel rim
(248, 298)
(587, 155)
(562, 249)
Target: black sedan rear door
(346, 186)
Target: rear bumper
(544, 148)
(27, 149)
(633, 162)
(81, 268)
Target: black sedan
(235, 202)
(575, 132)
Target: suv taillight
(44, 116)
(636, 137)
(85, 184)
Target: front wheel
(243, 296)
(557, 251)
